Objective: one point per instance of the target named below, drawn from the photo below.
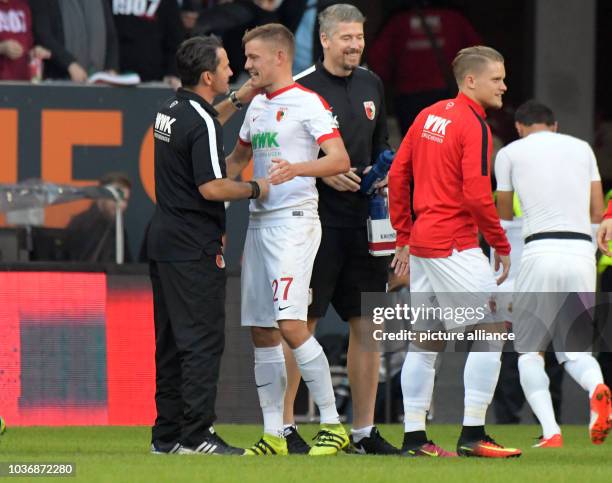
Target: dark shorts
(343, 269)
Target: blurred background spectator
(413, 53)
(17, 48)
(229, 20)
(149, 33)
(190, 11)
(80, 35)
(90, 235)
(301, 17)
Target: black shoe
(211, 444)
(373, 444)
(157, 447)
(295, 443)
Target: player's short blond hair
(471, 60)
(272, 32)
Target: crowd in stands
(70, 40)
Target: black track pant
(189, 310)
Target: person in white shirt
(283, 131)
(559, 188)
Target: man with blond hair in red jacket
(446, 154)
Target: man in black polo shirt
(343, 267)
(184, 246)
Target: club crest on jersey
(370, 109)
(280, 114)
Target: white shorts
(276, 268)
(505, 291)
(546, 301)
(466, 273)
(557, 266)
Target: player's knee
(359, 326)
(265, 337)
(294, 332)
(532, 374)
(527, 362)
(312, 324)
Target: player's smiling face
(260, 62)
(345, 46)
(488, 85)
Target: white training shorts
(277, 265)
(556, 282)
(505, 291)
(464, 279)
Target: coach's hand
(348, 181)
(246, 92)
(604, 235)
(401, 261)
(282, 171)
(502, 261)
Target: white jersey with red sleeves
(288, 124)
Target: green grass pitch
(120, 454)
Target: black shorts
(343, 269)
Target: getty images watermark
(423, 316)
(526, 322)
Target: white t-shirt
(288, 124)
(551, 174)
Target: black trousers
(189, 311)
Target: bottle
(377, 207)
(378, 172)
(36, 68)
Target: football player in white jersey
(283, 131)
(558, 258)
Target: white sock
(418, 374)
(271, 380)
(360, 433)
(535, 384)
(585, 371)
(480, 377)
(314, 368)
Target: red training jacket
(447, 153)
(609, 212)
